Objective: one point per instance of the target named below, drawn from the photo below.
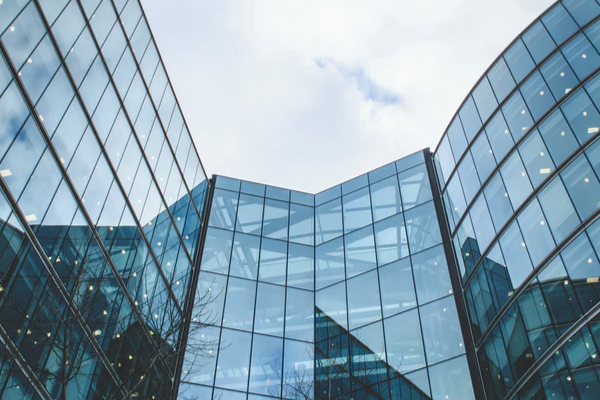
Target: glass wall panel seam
(556, 106)
(132, 126)
(110, 166)
(56, 281)
(152, 101)
(516, 89)
(533, 195)
(457, 291)
(534, 273)
(65, 176)
(13, 351)
(192, 286)
(581, 323)
(185, 124)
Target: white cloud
(306, 94)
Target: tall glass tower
(472, 272)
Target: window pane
(239, 306)
(390, 236)
(364, 304)
(422, 227)
(559, 23)
(582, 56)
(270, 301)
(301, 266)
(244, 258)
(536, 159)
(360, 251)
(217, 250)
(404, 342)
(470, 119)
(519, 61)
(441, 330)
(397, 287)
(329, 221)
(558, 209)
(516, 180)
(498, 203)
(538, 42)
(275, 223)
(299, 316)
(484, 99)
(515, 254)
(499, 136)
(357, 210)
(249, 216)
(234, 359)
(501, 79)
(535, 230)
(385, 196)
(332, 302)
(273, 260)
(301, 224)
(558, 137)
(330, 263)
(431, 274)
(451, 380)
(224, 209)
(414, 186)
(265, 369)
(483, 157)
(558, 75)
(468, 177)
(537, 95)
(582, 185)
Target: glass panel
(519, 61)
(364, 305)
(538, 42)
(517, 116)
(559, 23)
(397, 287)
(446, 162)
(582, 116)
(537, 95)
(470, 119)
(390, 236)
(441, 330)
(501, 79)
(357, 210)
(217, 250)
(301, 224)
(239, 306)
(516, 180)
(355, 184)
(457, 138)
(451, 380)
(558, 209)
(332, 302)
(275, 223)
(535, 230)
(404, 342)
(385, 196)
(299, 315)
(558, 75)
(328, 221)
(582, 10)
(515, 253)
(415, 186)
(234, 359)
(483, 157)
(582, 185)
(330, 263)
(273, 260)
(422, 227)
(360, 251)
(484, 99)
(536, 159)
(224, 209)
(499, 136)
(249, 216)
(244, 258)
(301, 266)
(265, 369)
(431, 274)
(498, 203)
(582, 56)
(468, 177)
(482, 223)
(558, 137)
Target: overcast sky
(307, 94)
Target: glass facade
(101, 202)
(518, 171)
(469, 273)
(345, 294)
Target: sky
(307, 94)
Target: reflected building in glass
(471, 272)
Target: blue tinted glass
(404, 342)
(381, 172)
(516, 256)
(397, 287)
(484, 99)
(299, 317)
(265, 368)
(593, 34)
(517, 116)
(227, 183)
(582, 116)
(501, 79)
(482, 223)
(239, 305)
(328, 221)
(558, 75)
(275, 224)
(249, 216)
(536, 159)
(224, 209)
(537, 95)
(273, 261)
(580, 259)
(456, 203)
(457, 138)
(390, 236)
(410, 161)
(451, 380)
(278, 193)
(354, 184)
(582, 57)
(499, 136)
(385, 198)
(217, 250)
(468, 177)
(497, 199)
(470, 119)
(244, 257)
(558, 137)
(558, 209)
(422, 227)
(332, 302)
(303, 198)
(415, 187)
(582, 10)
(483, 157)
(330, 263)
(535, 230)
(441, 330)
(360, 251)
(559, 23)
(516, 180)
(519, 61)
(328, 195)
(582, 185)
(301, 224)
(431, 274)
(364, 305)
(357, 210)
(445, 160)
(538, 42)
(253, 188)
(301, 266)
(234, 359)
